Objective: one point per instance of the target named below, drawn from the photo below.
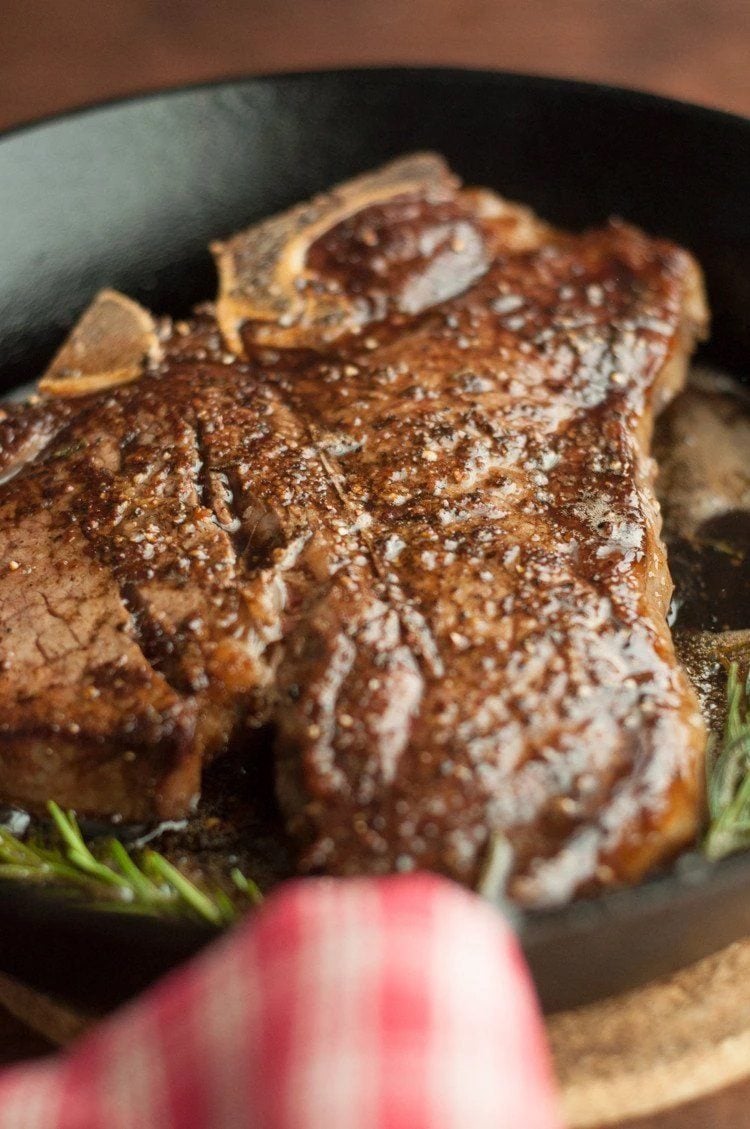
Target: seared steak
(396, 502)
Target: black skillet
(129, 195)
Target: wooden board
(676, 1041)
(672, 1055)
(53, 1023)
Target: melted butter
(703, 448)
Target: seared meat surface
(394, 500)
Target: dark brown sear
(408, 525)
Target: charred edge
(28, 454)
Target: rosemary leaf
(143, 888)
(115, 878)
(198, 901)
(79, 856)
(728, 775)
(247, 886)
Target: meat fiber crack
(391, 497)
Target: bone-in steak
(394, 500)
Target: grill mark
(200, 473)
(205, 486)
(220, 488)
(220, 497)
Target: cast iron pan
(129, 195)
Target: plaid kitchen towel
(394, 1003)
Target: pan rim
(433, 72)
(680, 884)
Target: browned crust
(395, 553)
(263, 271)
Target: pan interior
(130, 195)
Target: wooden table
(68, 52)
(64, 52)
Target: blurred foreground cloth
(394, 1003)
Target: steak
(391, 497)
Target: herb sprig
(728, 774)
(106, 873)
(147, 883)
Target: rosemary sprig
(144, 883)
(728, 775)
(148, 883)
(246, 886)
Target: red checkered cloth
(395, 1003)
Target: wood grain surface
(667, 1044)
(61, 53)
